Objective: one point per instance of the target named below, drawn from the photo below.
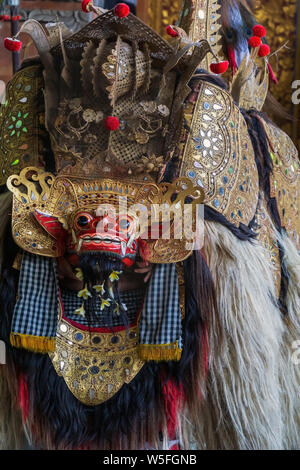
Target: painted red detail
(51, 224)
(106, 233)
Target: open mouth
(103, 243)
(98, 239)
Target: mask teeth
(79, 245)
(129, 243)
(74, 236)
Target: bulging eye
(125, 223)
(83, 220)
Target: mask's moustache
(100, 275)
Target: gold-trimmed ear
(171, 201)
(32, 191)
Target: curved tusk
(38, 35)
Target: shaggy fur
(291, 371)
(242, 403)
(11, 432)
(5, 209)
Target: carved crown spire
(200, 20)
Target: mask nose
(106, 224)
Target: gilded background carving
(280, 19)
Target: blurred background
(280, 17)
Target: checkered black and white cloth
(160, 321)
(133, 300)
(36, 309)
(37, 304)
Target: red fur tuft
(220, 67)
(84, 5)
(259, 31)
(254, 41)
(174, 400)
(171, 32)
(121, 10)
(112, 123)
(264, 50)
(23, 397)
(13, 45)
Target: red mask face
(91, 233)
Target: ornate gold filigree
(285, 180)
(200, 20)
(95, 365)
(217, 153)
(279, 18)
(267, 239)
(124, 69)
(20, 121)
(250, 85)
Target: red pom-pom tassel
(121, 10)
(84, 5)
(264, 50)
(16, 18)
(219, 67)
(273, 77)
(6, 18)
(259, 31)
(254, 41)
(171, 32)
(13, 45)
(112, 123)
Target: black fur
(96, 268)
(265, 168)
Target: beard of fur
(241, 407)
(96, 269)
